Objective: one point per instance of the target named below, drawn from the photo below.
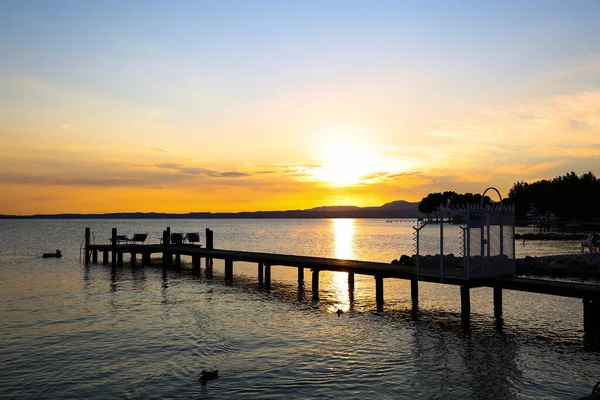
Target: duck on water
(56, 254)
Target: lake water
(74, 331)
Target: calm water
(70, 331)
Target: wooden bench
(138, 238)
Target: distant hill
(334, 208)
(395, 209)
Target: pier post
(95, 256)
(165, 243)
(87, 246)
(591, 315)
(177, 260)
(145, 258)
(260, 274)
(228, 269)
(268, 277)
(209, 246)
(114, 247)
(133, 257)
(209, 239)
(414, 293)
(208, 271)
(300, 278)
(195, 263)
(465, 304)
(315, 284)
(105, 257)
(379, 292)
(497, 302)
(120, 258)
(351, 289)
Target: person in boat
(58, 253)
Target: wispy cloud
(168, 166)
(161, 150)
(62, 148)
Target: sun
(346, 156)
(345, 166)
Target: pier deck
(590, 294)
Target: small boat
(56, 254)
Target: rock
(406, 260)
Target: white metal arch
(485, 191)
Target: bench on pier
(120, 239)
(138, 238)
(176, 238)
(192, 237)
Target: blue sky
(236, 85)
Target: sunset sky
(179, 106)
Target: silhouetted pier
(171, 255)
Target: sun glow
(346, 167)
(347, 157)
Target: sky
(225, 106)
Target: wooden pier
(171, 257)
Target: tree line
(568, 196)
(433, 201)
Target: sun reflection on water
(343, 233)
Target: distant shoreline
(394, 210)
(186, 216)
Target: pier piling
(95, 256)
(105, 257)
(379, 292)
(497, 302)
(267, 277)
(87, 246)
(300, 277)
(165, 243)
(228, 269)
(351, 289)
(414, 293)
(591, 315)
(315, 284)
(196, 263)
(114, 247)
(260, 274)
(209, 245)
(465, 304)
(133, 258)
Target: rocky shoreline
(551, 236)
(575, 266)
(570, 266)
